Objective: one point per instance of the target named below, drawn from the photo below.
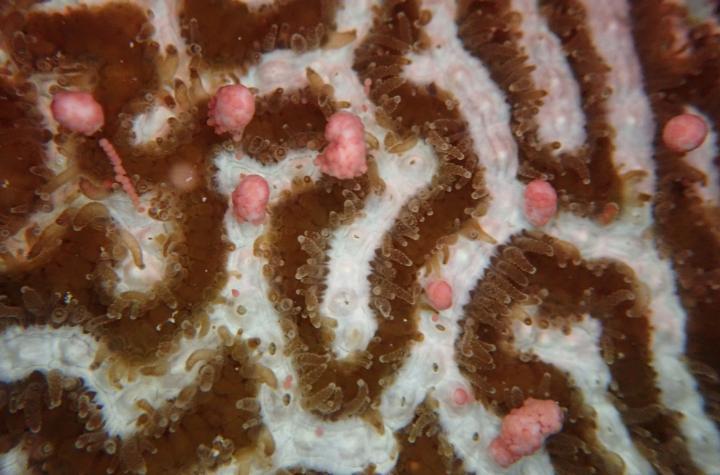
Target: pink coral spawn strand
(439, 293)
(540, 202)
(344, 157)
(78, 112)
(684, 132)
(231, 110)
(250, 199)
(525, 429)
(120, 173)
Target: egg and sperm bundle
(358, 236)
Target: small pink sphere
(525, 429)
(439, 294)
(460, 397)
(684, 133)
(540, 202)
(78, 112)
(250, 199)
(231, 109)
(345, 156)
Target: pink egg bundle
(684, 133)
(344, 157)
(231, 109)
(78, 112)
(250, 199)
(540, 202)
(525, 429)
(439, 293)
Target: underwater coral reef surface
(359, 236)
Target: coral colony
(367, 236)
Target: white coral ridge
(351, 445)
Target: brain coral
(144, 328)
